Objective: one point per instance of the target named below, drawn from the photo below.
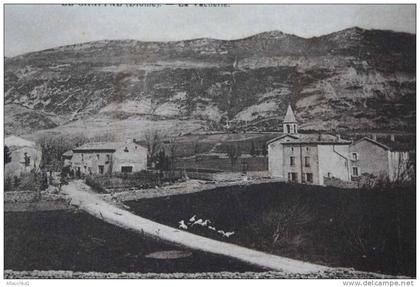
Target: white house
(308, 158)
(108, 157)
(25, 154)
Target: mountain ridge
(260, 34)
(355, 77)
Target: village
(141, 185)
(306, 158)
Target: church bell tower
(289, 122)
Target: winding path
(82, 197)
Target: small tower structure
(289, 122)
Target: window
(309, 177)
(292, 161)
(101, 169)
(307, 161)
(355, 170)
(292, 176)
(288, 129)
(354, 156)
(126, 169)
(292, 149)
(97, 156)
(82, 157)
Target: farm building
(25, 156)
(314, 158)
(379, 159)
(108, 157)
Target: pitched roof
(109, 146)
(290, 116)
(372, 141)
(312, 139)
(283, 136)
(389, 145)
(18, 142)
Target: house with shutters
(317, 158)
(108, 157)
(308, 158)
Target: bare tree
(154, 146)
(53, 147)
(233, 152)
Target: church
(318, 158)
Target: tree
(154, 146)
(233, 152)
(7, 155)
(172, 156)
(53, 147)
(264, 150)
(253, 151)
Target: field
(370, 230)
(68, 240)
(189, 145)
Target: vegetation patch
(367, 229)
(78, 242)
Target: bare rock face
(353, 78)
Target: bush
(8, 184)
(94, 184)
(30, 181)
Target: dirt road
(81, 196)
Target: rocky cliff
(351, 79)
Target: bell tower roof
(290, 116)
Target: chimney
(338, 137)
(392, 137)
(374, 137)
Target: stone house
(379, 159)
(26, 155)
(109, 157)
(308, 158)
(314, 158)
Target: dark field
(259, 163)
(371, 230)
(190, 145)
(79, 242)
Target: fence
(142, 179)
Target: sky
(38, 27)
